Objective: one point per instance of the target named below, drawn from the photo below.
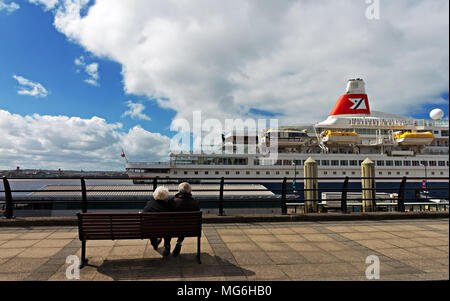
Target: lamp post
(426, 181)
(295, 176)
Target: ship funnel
(354, 101)
(355, 86)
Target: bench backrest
(98, 226)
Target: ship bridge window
(389, 163)
(353, 162)
(325, 162)
(415, 163)
(433, 163)
(334, 162)
(157, 170)
(185, 161)
(398, 163)
(344, 162)
(256, 162)
(380, 163)
(441, 163)
(407, 163)
(287, 162)
(424, 163)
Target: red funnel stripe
(351, 104)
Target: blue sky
(173, 58)
(33, 48)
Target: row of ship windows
(297, 173)
(359, 162)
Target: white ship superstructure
(399, 146)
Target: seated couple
(182, 201)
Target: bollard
(8, 199)
(83, 196)
(221, 198)
(401, 196)
(368, 186)
(311, 186)
(344, 196)
(283, 198)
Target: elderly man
(159, 203)
(183, 201)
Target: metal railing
(286, 197)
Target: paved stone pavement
(407, 249)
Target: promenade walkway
(407, 249)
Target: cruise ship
(399, 146)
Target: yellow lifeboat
(415, 138)
(340, 137)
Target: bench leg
(198, 250)
(83, 254)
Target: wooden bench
(113, 226)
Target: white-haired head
(161, 193)
(185, 187)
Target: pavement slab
(410, 250)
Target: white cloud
(90, 69)
(135, 111)
(42, 141)
(28, 87)
(9, 8)
(48, 4)
(291, 57)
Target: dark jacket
(156, 206)
(183, 201)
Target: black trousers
(167, 240)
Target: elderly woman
(159, 203)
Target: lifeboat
(417, 138)
(340, 137)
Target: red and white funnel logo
(349, 104)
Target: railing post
(283, 198)
(401, 196)
(83, 196)
(221, 197)
(344, 196)
(8, 199)
(155, 183)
